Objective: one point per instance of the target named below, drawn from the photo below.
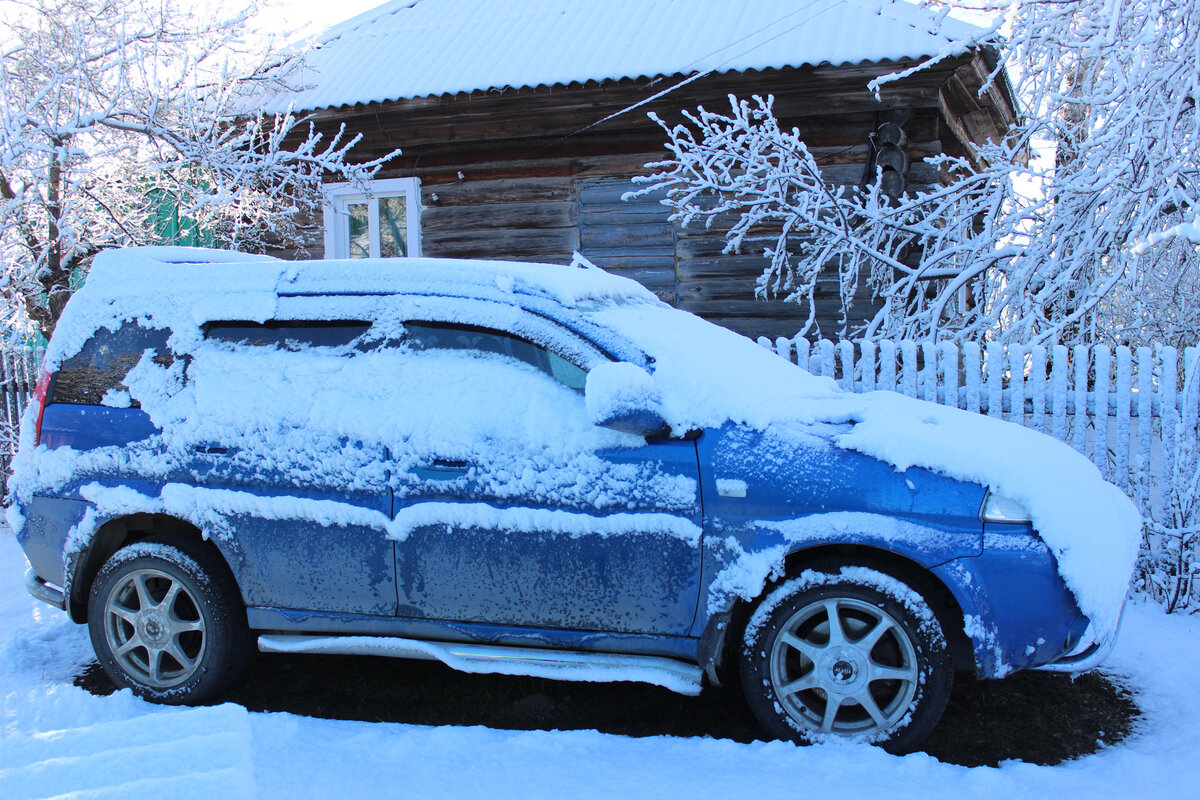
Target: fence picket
(1037, 385)
(1079, 440)
(825, 351)
(929, 373)
(887, 365)
(949, 358)
(783, 347)
(972, 375)
(1058, 392)
(1016, 385)
(867, 366)
(1100, 410)
(1168, 387)
(908, 372)
(846, 351)
(995, 380)
(1123, 397)
(1145, 424)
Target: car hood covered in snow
(710, 377)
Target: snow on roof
(157, 271)
(418, 48)
(171, 284)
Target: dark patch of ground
(1037, 717)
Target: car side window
(104, 362)
(288, 335)
(440, 336)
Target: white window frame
(341, 195)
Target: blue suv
(541, 470)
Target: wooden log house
(522, 124)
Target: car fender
(105, 509)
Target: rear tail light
(40, 392)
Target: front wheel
(846, 652)
(166, 621)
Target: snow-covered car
(535, 469)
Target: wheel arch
(115, 533)
(916, 575)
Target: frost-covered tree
(118, 115)
(1031, 238)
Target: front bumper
(1089, 653)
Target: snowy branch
(116, 115)
(1007, 247)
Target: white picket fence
(1129, 410)
(18, 378)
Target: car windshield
(704, 370)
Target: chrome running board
(563, 665)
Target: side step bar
(563, 665)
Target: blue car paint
(88, 427)
(621, 583)
(43, 537)
(1025, 615)
(299, 577)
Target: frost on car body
(546, 461)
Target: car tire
(166, 620)
(886, 664)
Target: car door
(282, 472)
(512, 508)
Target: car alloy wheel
(154, 628)
(166, 620)
(846, 652)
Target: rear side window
(287, 335)
(101, 366)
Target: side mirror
(623, 397)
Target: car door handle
(214, 449)
(442, 469)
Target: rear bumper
(44, 591)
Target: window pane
(393, 227)
(288, 335)
(103, 363)
(434, 336)
(360, 233)
(567, 373)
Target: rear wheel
(847, 652)
(166, 621)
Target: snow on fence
(1133, 412)
(18, 377)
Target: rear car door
(273, 450)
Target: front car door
(512, 508)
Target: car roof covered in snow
(146, 271)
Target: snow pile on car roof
(179, 287)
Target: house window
(382, 222)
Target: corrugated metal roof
(418, 48)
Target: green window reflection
(393, 226)
(360, 230)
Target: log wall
(535, 174)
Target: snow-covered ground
(59, 741)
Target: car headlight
(998, 508)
